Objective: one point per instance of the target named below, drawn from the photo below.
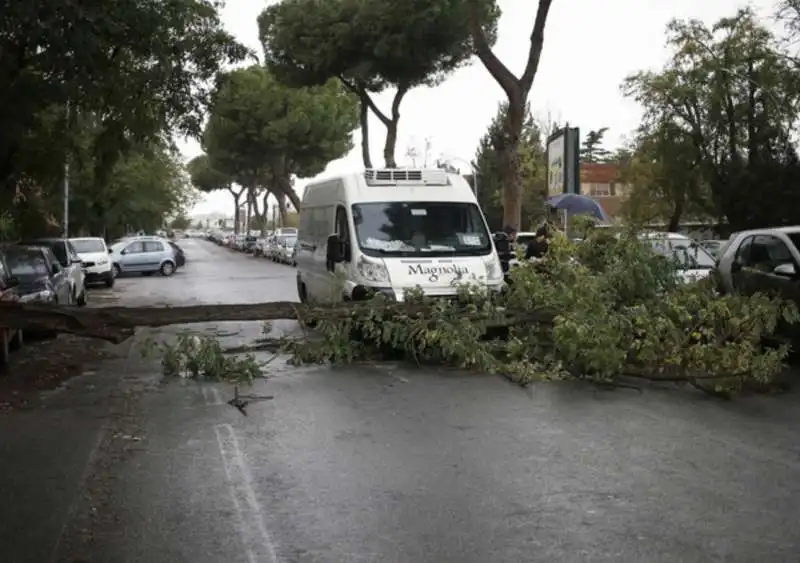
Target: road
(385, 464)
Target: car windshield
(57, 246)
(421, 228)
(88, 245)
(687, 254)
(290, 241)
(26, 263)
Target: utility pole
(66, 180)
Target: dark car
(68, 257)
(40, 276)
(180, 255)
(10, 338)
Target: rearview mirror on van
(334, 250)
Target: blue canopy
(577, 204)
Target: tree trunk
(364, 120)
(509, 162)
(391, 128)
(282, 209)
(287, 190)
(264, 211)
(248, 211)
(117, 324)
(675, 217)
(517, 90)
(236, 214)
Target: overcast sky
(590, 46)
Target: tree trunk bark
(390, 146)
(364, 120)
(282, 209)
(248, 211)
(675, 217)
(117, 324)
(509, 161)
(236, 214)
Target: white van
(392, 230)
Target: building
(600, 180)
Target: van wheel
(167, 269)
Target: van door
(335, 275)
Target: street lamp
(448, 157)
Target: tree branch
(507, 81)
(363, 95)
(537, 43)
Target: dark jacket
(505, 250)
(538, 247)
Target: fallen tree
(117, 324)
(600, 310)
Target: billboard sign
(563, 166)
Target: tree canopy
(131, 72)
(261, 130)
(723, 111)
(370, 45)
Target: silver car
(761, 260)
(143, 255)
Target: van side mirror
(334, 250)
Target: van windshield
(421, 228)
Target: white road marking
(257, 541)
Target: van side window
(343, 230)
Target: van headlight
(494, 272)
(371, 271)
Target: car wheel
(82, 299)
(115, 270)
(110, 280)
(17, 342)
(167, 269)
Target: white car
(694, 261)
(95, 260)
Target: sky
(590, 47)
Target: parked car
(713, 246)
(180, 255)
(693, 261)
(286, 249)
(249, 243)
(40, 276)
(10, 338)
(258, 249)
(143, 255)
(761, 260)
(69, 260)
(95, 261)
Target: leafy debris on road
(203, 357)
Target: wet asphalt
(383, 464)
